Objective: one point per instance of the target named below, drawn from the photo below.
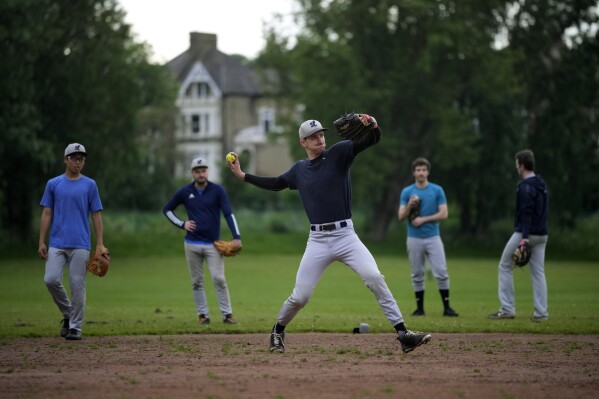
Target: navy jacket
(532, 199)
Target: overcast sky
(238, 24)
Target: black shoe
(277, 341)
(229, 319)
(202, 319)
(64, 330)
(418, 312)
(450, 312)
(73, 335)
(410, 340)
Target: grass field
(152, 295)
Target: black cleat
(410, 340)
(277, 341)
(73, 335)
(418, 312)
(450, 312)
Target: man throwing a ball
(323, 181)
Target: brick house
(222, 108)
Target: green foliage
(71, 72)
(151, 295)
(465, 84)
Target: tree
(561, 101)
(422, 68)
(466, 84)
(71, 72)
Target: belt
(328, 227)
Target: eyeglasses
(77, 159)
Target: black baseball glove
(415, 210)
(521, 255)
(354, 126)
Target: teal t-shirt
(430, 198)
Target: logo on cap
(313, 124)
(199, 163)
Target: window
(267, 119)
(203, 90)
(195, 123)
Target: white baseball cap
(199, 163)
(309, 127)
(74, 148)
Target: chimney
(201, 42)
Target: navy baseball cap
(74, 148)
(309, 127)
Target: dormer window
(198, 90)
(203, 90)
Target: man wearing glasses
(67, 202)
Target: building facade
(222, 108)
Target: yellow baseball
(230, 157)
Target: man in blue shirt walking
(67, 202)
(204, 201)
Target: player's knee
(197, 285)
(374, 280)
(51, 281)
(220, 282)
(300, 296)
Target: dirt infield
(314, 366)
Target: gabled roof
(232, 77)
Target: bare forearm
(98, 228)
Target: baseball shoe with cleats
(410, 340)
(202, 319)
(73, 335)
(418, 312)
(277, 341)
(229, 319)
(450, 312)
(501, 315)
(64, 330)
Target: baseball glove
(521, 255)
(227, 248)
(100, 262)
(354, 126)
(415, 210)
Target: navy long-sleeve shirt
(531, 207)
(324, 183)
(203, 207)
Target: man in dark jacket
(204, 201)
(530, 226)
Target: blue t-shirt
(71, 202)
(430, 198)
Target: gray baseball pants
(507, 296)
(343, 245)
(432, 248)
(196, 254)
(76, 260)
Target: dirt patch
(314, 366)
